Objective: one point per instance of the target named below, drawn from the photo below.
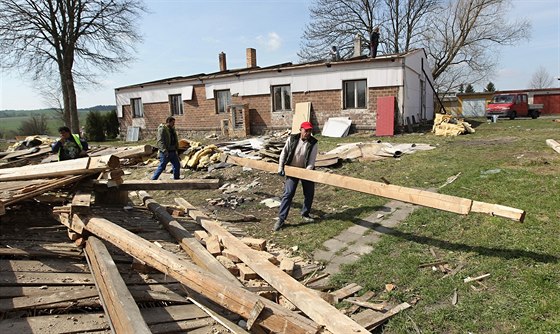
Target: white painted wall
(152, 94)
(412, 85)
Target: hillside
(50, 111)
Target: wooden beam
(117, 301)
(80, 166)
(215, 288)
(306, 300)
(163, 184)
(372, 319)
(553, 144)
(190, 245)
(415, 196)
(81, 202)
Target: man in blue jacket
(69, 146)
(300, 151)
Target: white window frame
(176, 104)
(137, 107)
(221, 104)
(282, 89)
(345, 87)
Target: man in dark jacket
(167, 143)
(69, 146)
(300, 151)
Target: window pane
(176, 104)
(223, 99)
(277, 98)
(349, 94)
(361, 91)
(287, 99)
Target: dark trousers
(163, 160)
(290, 186)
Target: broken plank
(223, 293)
(124, 314)
(255, 312)
(377, 307)
(363, 298)
(498, 210)
(81, 202)
(312, 305)
(375, 319)
(346, 291)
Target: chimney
(251, 57)
(223, 66)
(357, 46)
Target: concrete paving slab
(334, 245)
(348, 236)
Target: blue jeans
(163, 160)
(290, 187)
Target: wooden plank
(190, 245)
(363, 298)
(377, 307)
(30, 253)
(287, 266)
(372, 319)
(117, 301)
(255, 312)
(312, 305)
(223, 293)
(93, 322)
(420, 197)
(80, 166)
(553, 144)
(498, 210)
(257, 244)
(51, 185)
(81, 202)
(27, 302)
(346, 291)
(189, 184)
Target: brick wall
(199, 114)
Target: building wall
(199, 113)
(551, 103)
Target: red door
(385, 122)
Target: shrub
(36, 125)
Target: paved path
(348, 246)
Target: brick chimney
(251, 57)
(223, 66)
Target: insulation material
(447, 125)
(337, 127)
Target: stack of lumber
(21, 183)
(448, 125)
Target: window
(281, 98)
(137, 107)
(223, 99)
(176, 104)
(355, 94)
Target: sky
(184, 37)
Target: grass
(522, 295)
(507, 163)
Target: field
(507, 163)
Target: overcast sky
(184, 37)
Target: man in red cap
(300, 151)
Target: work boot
(278, 225)
(307, 219)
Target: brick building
(348, 88)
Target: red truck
(512, 105)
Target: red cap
(306, 125)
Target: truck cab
(511, 105)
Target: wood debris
(448, 125)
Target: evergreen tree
(490, 87)
(469, 89)
(112, 124)
(461, 88)
(95, 126)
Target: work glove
(281, 172)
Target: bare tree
(465, 37)
(541, 79)
(461, 37)
(69, 39)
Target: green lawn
(522, 294)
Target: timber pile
(448, 125)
